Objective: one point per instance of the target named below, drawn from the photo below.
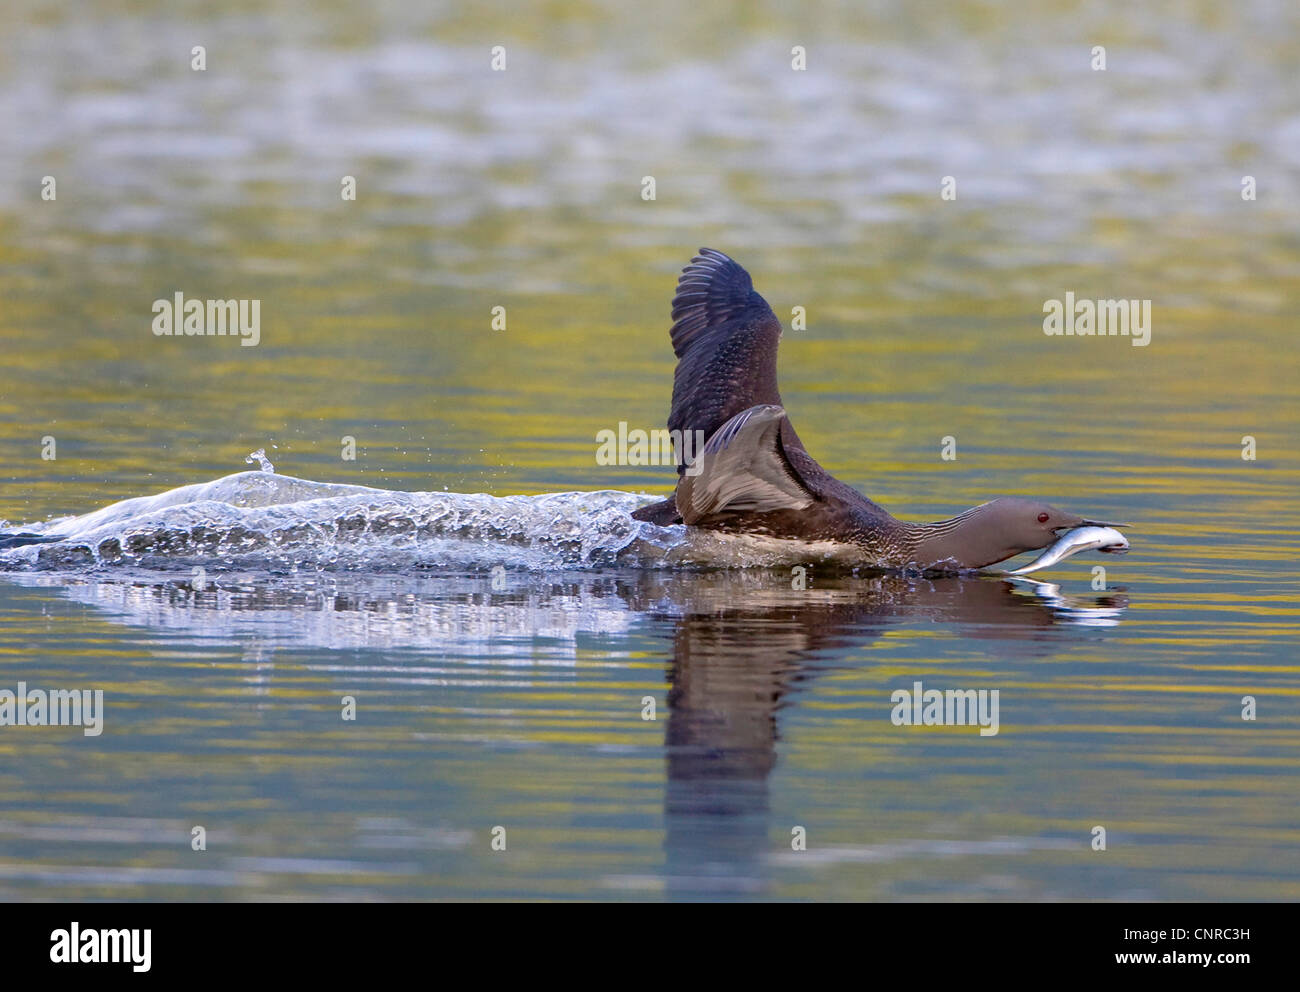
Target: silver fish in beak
(1091, 537)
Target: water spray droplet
(259, 456)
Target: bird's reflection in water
(742, 642)
(738, 661)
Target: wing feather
(725, 337)
(743, 468)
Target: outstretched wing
(725, 337)
(743, 468)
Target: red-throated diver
(754, 475)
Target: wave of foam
(278, 522)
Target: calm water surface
(519, 703)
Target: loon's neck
(963, 541)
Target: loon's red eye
(1042, 518)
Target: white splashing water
(259, 520)
(259, 456)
